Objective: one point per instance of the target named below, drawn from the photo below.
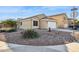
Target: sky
(15, 12)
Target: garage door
(51, 24)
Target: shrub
(7, 30)
(2, 30)
(11, 30)
(30, 34)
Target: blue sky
(7, 12)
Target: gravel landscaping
(46, 38)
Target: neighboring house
(61, 20)
(4, 26)
(43, 22)
(73, 23)
(1, 25)
(70, 21)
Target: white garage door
(51, 25)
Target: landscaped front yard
(46, 38)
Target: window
(35, 23)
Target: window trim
(35, 23)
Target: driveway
(9, 47)
(28, 48)
(3, 45)
(71, 47)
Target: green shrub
(7, 30)
(30, 34)
(11, 30)
(2, 30)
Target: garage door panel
(51, 24)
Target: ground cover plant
(30, 34)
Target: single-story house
(43, 22)
(38, 21)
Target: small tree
(76, 22)
(30, 34)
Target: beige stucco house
(43, 22)
(39, 21)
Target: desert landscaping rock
(37, 45)
(46, 38)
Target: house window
(35, 23)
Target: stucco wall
(43, 24)
(26, 24)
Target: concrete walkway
(3, 45)
(27, 48)
(71, 47)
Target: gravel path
(46, 38)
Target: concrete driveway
(71, 47)
(27, 48)
(3, 45)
